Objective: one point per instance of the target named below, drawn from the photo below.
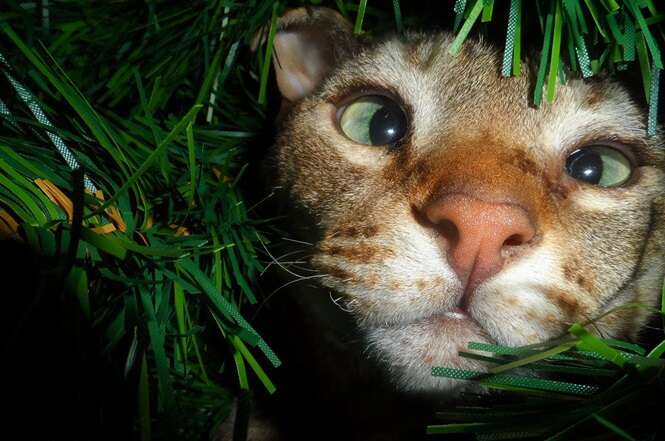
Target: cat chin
(409, 352)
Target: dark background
(57, 381)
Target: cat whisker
(270, 195)
(296, 265)
(337, 301)
(277, 262)
(304, 268)
(290, 282)
(288, 239)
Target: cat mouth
(456, 315)
(457, 322)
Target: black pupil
(585, 165)
(387, 125)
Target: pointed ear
(308, 43)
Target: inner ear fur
(308, 43)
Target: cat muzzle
(478, 235)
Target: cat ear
(308, 43)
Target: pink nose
(479, 234)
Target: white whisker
(277, 262)
(337, 302)
(288, 239)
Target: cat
(442, 207)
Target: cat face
(476, 216)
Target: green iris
(374, 120)
(357, 117)
(600, 165)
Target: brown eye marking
(520, 160)
(556, 188)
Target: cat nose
(479, 234)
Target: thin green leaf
(358, 27)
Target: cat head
(446, 208)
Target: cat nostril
(514, 240)
(479, 233)
(449, 231)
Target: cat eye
(373, 120)
(600, 165)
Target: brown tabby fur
(471, 132)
